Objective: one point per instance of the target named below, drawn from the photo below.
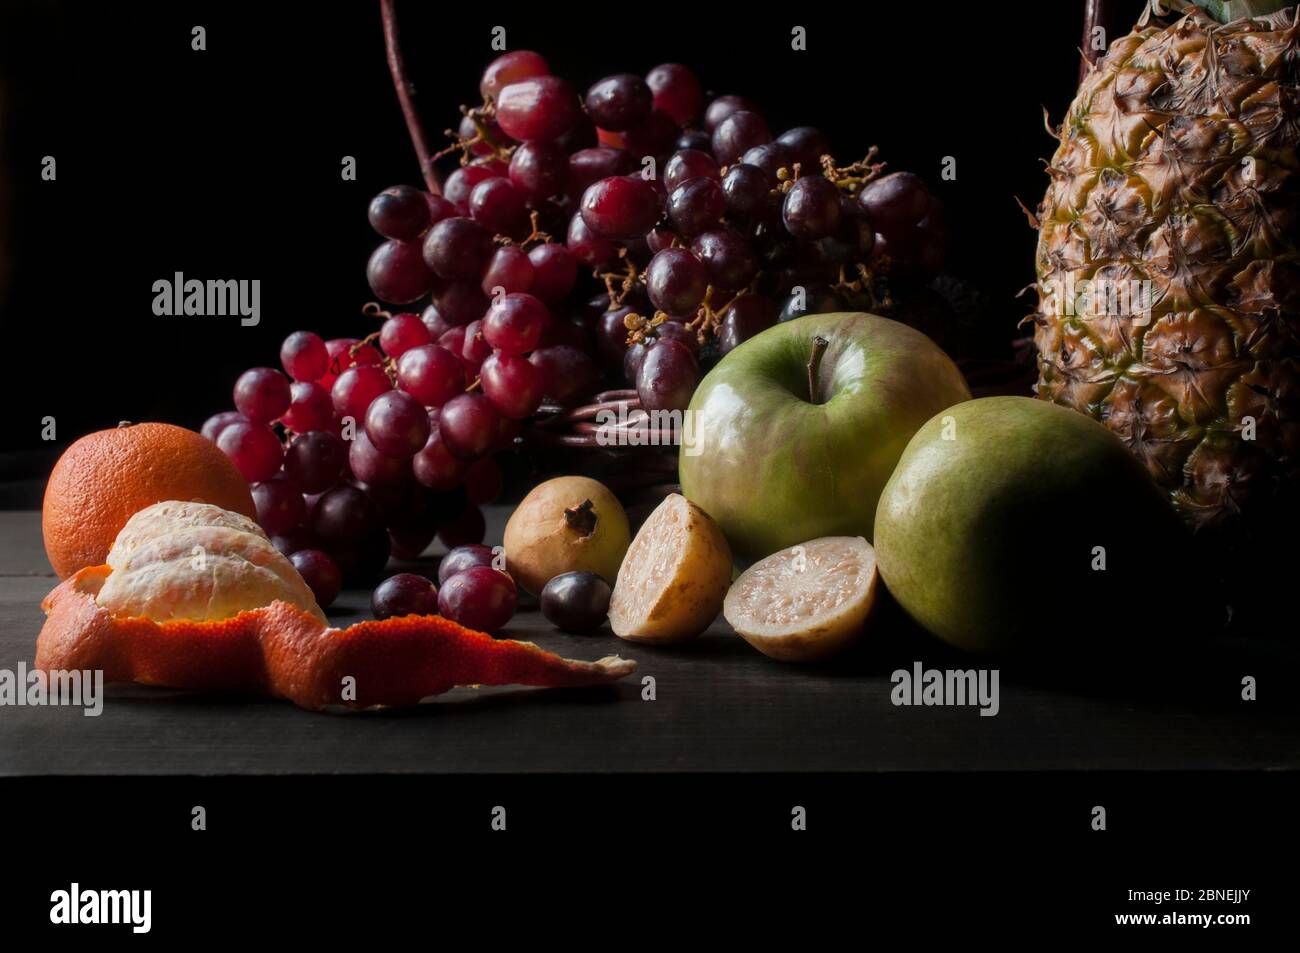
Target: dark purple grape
(501, 206)
(737, 134)
(576, 601)
(320, 572)
(728, 258)
(478, 598)
(676, 281)
(315, 460)
(435, 467)
(279, 504)
(461, 302)
(677, 331)
(589, 166)
(812, 208)
(588, 247)
(343, 516)
(397, 273)
(509, 269)
(461, 183)
(399, 212)
(397, 424)
(310, 408)
(540, 169)
(620, 207)
(807, 145)
(555, 271)
(611, 337)
(745, 317)
(458, 248)
(262, 394)
(697, 205)
(404, 594)
(747, 191)
(369, 464)
(464, 557)
(619, 102)
(568, 373)
(468, 425)
(687, 164)
(771, 157)
(895, 202)
(667, 377)
(538, 108)
(632, 359)
(723, 107)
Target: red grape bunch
(700, 226)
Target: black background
(225, 163)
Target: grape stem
(819, 346)
(405, 98)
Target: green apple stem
(819, 346)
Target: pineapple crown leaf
(1225, 11)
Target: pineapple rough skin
(1177, 165)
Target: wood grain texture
(720, 707)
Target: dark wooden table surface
(720, 706)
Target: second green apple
(778, 456)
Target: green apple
(777, 454)
(1014, 523)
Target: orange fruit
(106, 477)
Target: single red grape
(460, 558)
(667, 377)
(431, 374)
(514, 324)
(213, 426)
(461, 302)
(555, 271)
(279, 504)
(344, 516)
(320, 572)
(304, 356)
(397, 273)
(399, 212)
(356, 388)
(723, 107)
(404, 594)
(402, 332)
(310, 408)
(737, 134)
(253, 448)
(435, 467)
(500, 205)
(478, 598)
(728, 257)
(696, 206)
(620, 206)
(397, 424)
(539, 108)
(676, 281)
(512, 384)
(895, 202)
(687, 164)
(315, 460)
(476, 348)
(676, 90)
(619, 102)
(540, 169)
(811, 210)
(588, 247)
(262, 394)
(468, 425)
(461, 182)
(656, 136)
(458, 248)
(745, 317)
(588, 166)
(510, 269)
(568, 374)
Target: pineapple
(1174, 192)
